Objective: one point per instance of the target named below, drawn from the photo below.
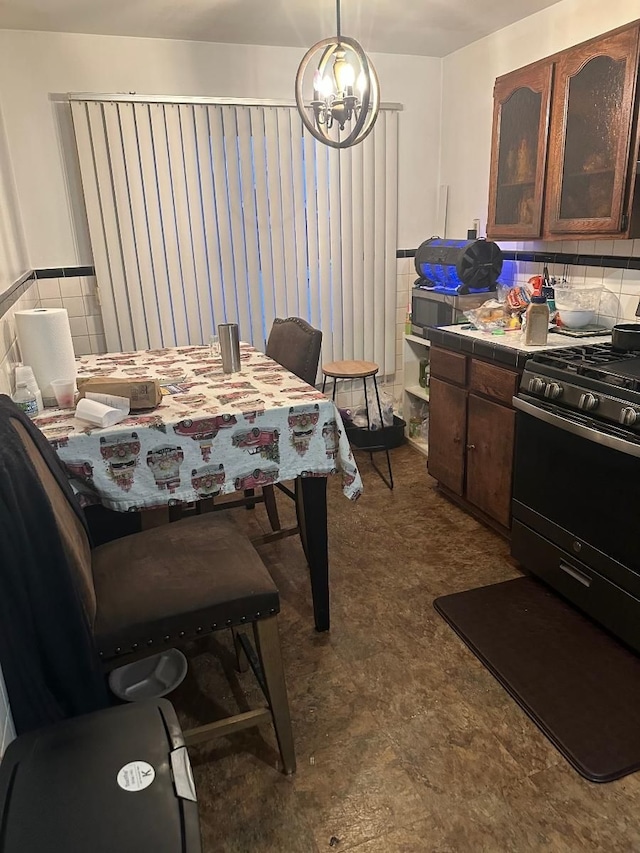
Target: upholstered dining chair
(167, 586)
(296, 345)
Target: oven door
(579, 487)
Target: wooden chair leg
(242, 661)
(268, 647)
(269, 495)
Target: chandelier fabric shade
(346, 91)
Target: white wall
(467, 92)
(35, 65)
(13, 253)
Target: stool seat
(355, 369)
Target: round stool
(364, 370)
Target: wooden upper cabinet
(521, 103)
(592, 119)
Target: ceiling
(423, 27)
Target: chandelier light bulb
(343, 73)
(326, 87)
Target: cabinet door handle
(471, 447)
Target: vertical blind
(203, 213)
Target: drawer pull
(585, 580)
(471, 447)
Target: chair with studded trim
(295, 345)
(166, 586)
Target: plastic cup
(65, 392)
(24, 373)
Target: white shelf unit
(415, 349)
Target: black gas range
(577, 480)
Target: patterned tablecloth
(213, 433)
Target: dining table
(213, 433)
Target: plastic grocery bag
(386, 404)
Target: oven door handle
(611, 441)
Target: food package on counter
(492, 315)
(141, 393)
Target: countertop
(507, 349)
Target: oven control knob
(588, 402)
(629, 416)
(536, 385)
(553, 391)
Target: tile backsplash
(79, 295)
(621, 294)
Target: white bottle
(25, 400)
(24, 373)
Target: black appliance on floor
(577, 480)
(116, 780)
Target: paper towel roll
(45, 342)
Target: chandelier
(346, 92)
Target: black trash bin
(117, 780)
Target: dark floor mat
(575, 681)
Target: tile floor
(404, 741)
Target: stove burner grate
(596, 361)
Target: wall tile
(628, 306)
(609, 304)
(631, 281)
(75, 306)
(49, 288)
(78, 326)
(94, 325)
(89, 286)
(98, 344)
(55, 302)
(91, 305)
(604, 247)
(82, 345)
(622, 247)
(70, 287)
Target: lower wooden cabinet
(447, 431)
(490, 439)
(472, 433)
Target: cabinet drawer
(448, 365)
(602, 599)
(492, 381)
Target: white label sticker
(136, 776)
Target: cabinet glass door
(589, 162)
(520, 129)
